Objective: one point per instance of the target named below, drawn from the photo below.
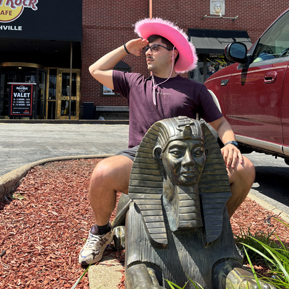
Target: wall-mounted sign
(32, 19)
(217, 7)
(21, 98)
(10, 10)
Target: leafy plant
(173, 285)
(250, 240)
(79, 279)
(277, 258)
(18, 196)
(195, 284)
(253, 270)
(262, 249)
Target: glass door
(51, 93)
(40, 93)
(6, 75)
(62, 93)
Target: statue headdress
(146, 180)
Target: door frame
(59, 96)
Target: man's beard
(150, 67)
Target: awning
(44, 52)
(215, 41)
(52, 20)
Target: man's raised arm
(102, 69)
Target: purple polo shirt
(176, 97)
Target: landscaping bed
(46, 223)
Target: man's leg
(241, 179)
(109, 176)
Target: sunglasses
(155, 48)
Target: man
(163, 95)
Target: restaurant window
(207, 65)
(40, 91)
(215, 62)
(65, 107)
(107, 91)
(52, 85)
(5, 77)
(65, 84)
(22, 73)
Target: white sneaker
(94, 247)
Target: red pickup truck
(253, 93)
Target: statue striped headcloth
(146, 180)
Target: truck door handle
(270, 77)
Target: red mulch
(41, 234)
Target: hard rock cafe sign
(11, 10)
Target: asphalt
(24, 143)
(31, 143)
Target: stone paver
(107, 274)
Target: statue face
(218, 7)
(183, 161)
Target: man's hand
(230, 152)
(231, 155)
(135, 46)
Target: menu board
(21, 99)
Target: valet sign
(10, 10)
(21, 99)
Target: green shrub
(273, 254)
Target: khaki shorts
(130, 153)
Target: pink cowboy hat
(187, 53)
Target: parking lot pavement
(21, 144)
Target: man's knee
(244, 172)
(247, 172)
(102, 172)
(241, 179)
(112, 172)
(250, 170)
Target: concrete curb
(10, 181)
(269, 207)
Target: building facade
(51, 44)
(40, 40)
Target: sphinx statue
(176, 220)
